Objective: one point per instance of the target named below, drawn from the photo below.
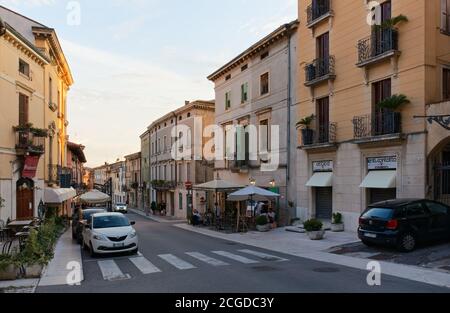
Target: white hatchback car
(109, 233)
(121, 208)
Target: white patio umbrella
(94, 197)
(251, 193)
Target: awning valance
(380, 180)
(321, 180)
(58, 195)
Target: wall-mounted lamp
(273, 183)
(252, 181)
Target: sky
(136, 60)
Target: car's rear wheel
(407, 242)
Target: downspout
(289, 102)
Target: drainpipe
(289, 102)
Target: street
(173, 260)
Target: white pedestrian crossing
(206, 259)
(176, 262)
(235, 257)
(264, 256)
(111, 271)
(144, 265)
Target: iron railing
(317, 9)
(323, 134)
(27, 141)
(379, 124)
(319, 68)
(381, 41)
(163, 184)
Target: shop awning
(321, 180)
(380, 180)
(58, 195)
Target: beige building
(118, 181)
(145, 170)
(355, 152)
(168, 173)
(34, 81)
(133, 179)
(257, 88)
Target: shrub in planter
(9, 267)
(314, 228)
(262, 223)
(338, 224)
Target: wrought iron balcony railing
(163, 184)
(319, 69)
(29, 142)
(381, 42)
(323, 134)
(381, 123)
(317, 9)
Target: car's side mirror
(132, 223)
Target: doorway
(324, 203)
(24, 199)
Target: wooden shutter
(444, 14)
(323, 46)
(23, 110)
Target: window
(437, 208)
(23, 109)
(165, 143)
(180, 201)
(180, 118)
(165, 172)
(189, 115)
(228, 100)
(228, 77)
(445, 16)
(158, 148)
(415, 210)
(153, 149)
(264, 55)
(50, 89)
(264, 84)
(323, 46)
(323, 117)
(244, 93)
(24, 68)
(245, 67)
(446, 84)
(264, 136)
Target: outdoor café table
(18, 225)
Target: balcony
(318, 11)
(58, 175)
(29, 141)
(381, 45)
(319, 70)
(321, 138)
(163, 185)
(380, 127)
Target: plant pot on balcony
(10, 272)
(307, 136)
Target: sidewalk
(300, 245)
(159, 219)
(56, 273)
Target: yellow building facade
(34, 81)
(355, 56)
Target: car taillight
(392, 225)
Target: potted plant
(262, 223)
(338, 224)
(314, 229)
(307, 133)
(392, 22)
(390, 111)
(9, 267)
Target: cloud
(27, 3)
(118, 97)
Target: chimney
(186, 102)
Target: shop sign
(323, 166)
(382, 163)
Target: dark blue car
(404, 223)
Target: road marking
(111, 271)
(177, 262)
(144, 265)
(264, 256)
(235, 257)
(206, 259)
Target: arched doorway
(440, 181)
(25, 199)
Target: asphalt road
(218, 266)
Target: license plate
(119, 245)
(370, 235)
